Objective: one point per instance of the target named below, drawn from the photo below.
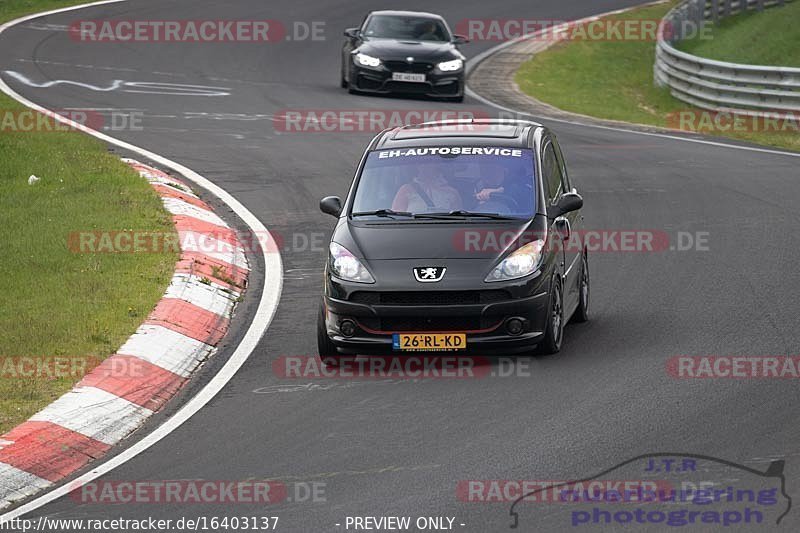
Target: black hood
(416, 240)
(396, 50)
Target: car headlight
(450, 66)
(346, 266)
(367, 61)
(519, 263)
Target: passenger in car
(427, 191)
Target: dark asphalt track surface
(400, 447)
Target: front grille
(430, 297)
(408, 87)
(402, 66)
(415, 323)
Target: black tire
(342, 81)
(582, 312)
(327, 350)
(554, 329)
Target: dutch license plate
(429, 342)
(408, 76)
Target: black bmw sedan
(403, 52)
(456, 236)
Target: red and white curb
(117, 396)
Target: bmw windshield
(406, 28)
(458, 181)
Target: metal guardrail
(718, 85)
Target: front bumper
(379, 80)
(483, 318)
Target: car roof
(485, 132)
(397, 13)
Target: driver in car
(427, 191)
(429, 31)
(494, 182)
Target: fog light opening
(347, 327)
(515, 326)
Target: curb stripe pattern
(117, 396)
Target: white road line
(96, 413)
(268, 303)
(116, 84)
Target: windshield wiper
(390, 213)
(462, 213)
(383, 213)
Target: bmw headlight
(346, 266)
(450, 66)
(519, 263)
(367, 61)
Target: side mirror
(331, 205)
(352, 33)
(568, 202)
(460, 39)
(562, 227)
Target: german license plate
(408, 76)
(429, 342)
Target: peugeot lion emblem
(409, 59)
(429, 274)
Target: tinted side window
(551, 173)
(565, 185)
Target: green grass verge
(56, 303)
(773, 38)
(614, 80)
(12, 9)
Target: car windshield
(406, 28)
(470, 180)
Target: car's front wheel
(582, 312)
(327, 350)
(342, 80)
(554, 328)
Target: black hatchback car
(455, 236)
(403, 52)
